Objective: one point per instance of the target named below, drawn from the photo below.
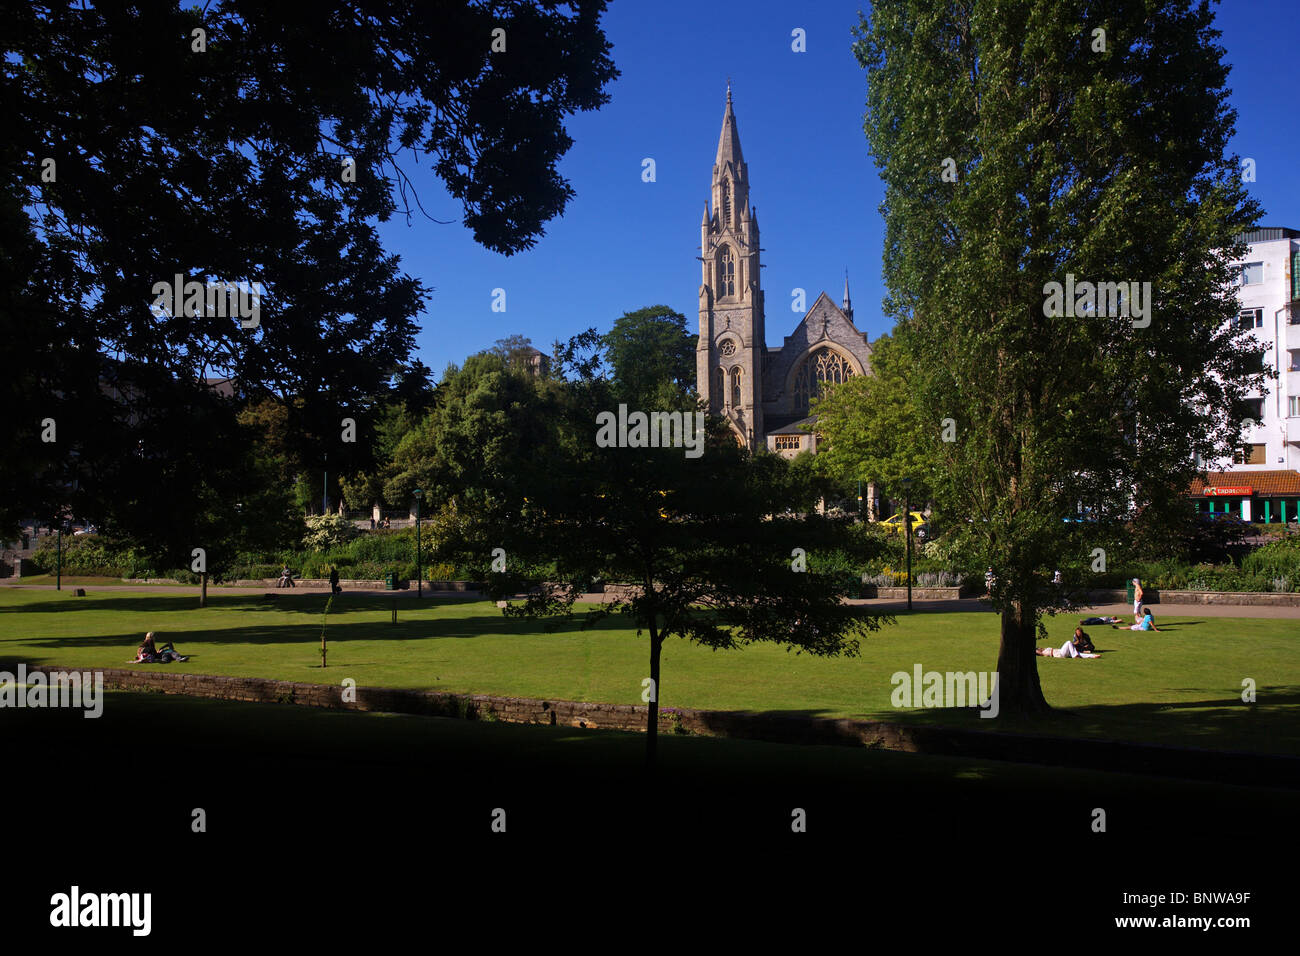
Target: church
(762, 392)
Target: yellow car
(894, 523)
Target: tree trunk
(203, 589)
(652, 712)
(1019, 691)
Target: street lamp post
(419, 574)
(58, 561)
(907, 523)
(859, 500)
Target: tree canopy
(251, 149)
(1020, 147)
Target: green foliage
(872, 430)
(328, 531)
(92, 554)
(423, 91)
(1053, 148)
(1277, 560)
(651, 355)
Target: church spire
(848, 303)
(729, 140)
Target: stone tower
(730, 354)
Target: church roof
(821, 306)
(793, 428)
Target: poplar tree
(1030, 142)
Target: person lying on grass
(1100, 620)
(1078, 646)
(149, 653)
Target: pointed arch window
(719, 389)
(824, 366)
(726, 268)
(726, 202)
(737, 375)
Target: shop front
(1260, 497)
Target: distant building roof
(1282, 482)
(225, 387)
(1268, 234)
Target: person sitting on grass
(1078, 646)
(149, 653)
(1147, 621)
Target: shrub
(940, 579)
(328, 531)
(1278, 559)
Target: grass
(297, 745)
(333, 816)
(1182, 686)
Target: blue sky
(623, 243)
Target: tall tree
(245, 143)
(869, 428)
(1029, 142)
(651, 356)
(702, 542)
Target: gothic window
(728, 347)
(726, 272)
(823, 366)
(787, 442)
(726, 203)
(719, 385)
(736, 375)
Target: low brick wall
(1108, 755)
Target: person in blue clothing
(1147, 623)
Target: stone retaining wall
(1194, 763)
(918, 594)
(1243, 598)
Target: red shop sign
(1221, 491)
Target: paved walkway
(1162, 612)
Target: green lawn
(271, 773)
(1181, 686)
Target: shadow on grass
(289, 601)
(338, 631)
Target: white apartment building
(1260, 482)
(1270, 288)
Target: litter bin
(1128, 592)
(390, 581)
